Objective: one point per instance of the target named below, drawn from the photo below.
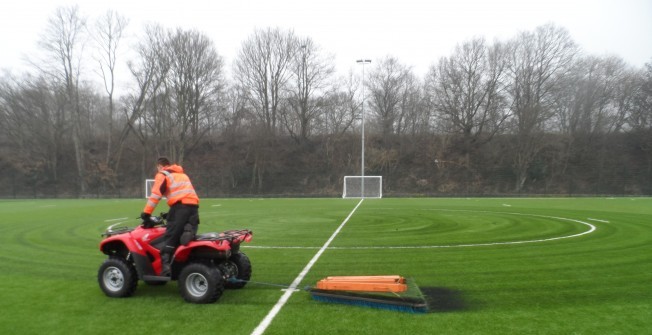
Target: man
(171, 182)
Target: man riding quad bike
(204, 266)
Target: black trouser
(178, 216)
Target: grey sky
(417, 32)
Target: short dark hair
(163, 161)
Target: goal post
(363, 187)
(149, 183)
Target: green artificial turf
(487, 266)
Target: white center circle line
(592, 228)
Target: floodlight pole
(363, 62)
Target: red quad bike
(204, 267)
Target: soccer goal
(149, 183)
(363, 187)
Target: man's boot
(165, 265)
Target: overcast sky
(417, 32)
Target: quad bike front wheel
(200, 283)
(117, 278)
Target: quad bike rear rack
(228, 235)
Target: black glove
(147, 222)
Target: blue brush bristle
(373, 304)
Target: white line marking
(277, 247)
(598, 220)
(592, 228)
(109, 220)
(284, 298)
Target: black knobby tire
(200, 283)
(243, 266)
(117, 277)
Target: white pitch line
(277, 247)
(293, 287)
(109, 220)
(598, 220)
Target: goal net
(149, 183)
(363, 187)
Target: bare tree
(148, 71)
(639, 120)
(592, 101)
(596, 96)
(390, 83)
(194, 91)
(539, 60)
(63, 42)
(341, 112)
(238, 117)
(311, 72)
(263, 67)
(108, 33)
(417, 118)
(466, 92)
(342, 107)
(34, 121)
(181, 90)
(640, 117)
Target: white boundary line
(260, 329)
(109, 220)
(592, 228)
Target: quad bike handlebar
(154, 221)
(151, 222)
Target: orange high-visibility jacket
(178, 188)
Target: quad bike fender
(207, 249)
(120, 245)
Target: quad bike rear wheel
(201, 283)
(239, 267)
(117, 277)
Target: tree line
(531, 114)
